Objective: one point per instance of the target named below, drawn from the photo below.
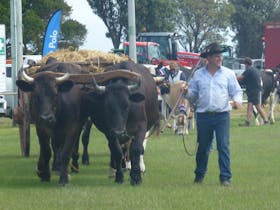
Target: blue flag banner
(52, 33)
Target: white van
(7, 95)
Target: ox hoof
(63, 181)
(119, 177)
(135, 179)
(45, 179)
(119, 181)
(134, 182)
(44, 176)
(85, 160)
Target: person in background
(176, 75)
(252, 81)
(172, 74)
(210, 89)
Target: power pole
(132, 30)
(17, 43)
(21, 100)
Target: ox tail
(155, 129)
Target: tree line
(199, 22)
(35, 17)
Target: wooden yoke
(105, 76)
(99, 77)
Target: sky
(96, 39)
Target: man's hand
(235, 105)
(185, 87)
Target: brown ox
(56, 112)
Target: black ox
(124, 111)
(55, 108)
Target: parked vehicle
(238, 66)
(8, 95)
(146, 51)
(271, 44)
(170, 48)
(6, 89)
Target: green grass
(167, 183)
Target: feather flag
(52, 33)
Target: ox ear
(137, 97)
(51, 60)
(65, 86)
(24, 86)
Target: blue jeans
(207, 124)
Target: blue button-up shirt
(212, 93)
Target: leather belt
(211, 113)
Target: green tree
(248, 24)
(5, 19)
(154, 15)
(202, 22)
(35, 17)
(33, 31)
(5, 13)
(114, 15)
(73, 34)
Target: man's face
(215, 60)
(173, 70)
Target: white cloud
(96, 39)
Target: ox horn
(134, 87)
(98, 88)
(26, 77)
(62, 78)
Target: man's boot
(245, 124)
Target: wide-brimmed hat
(212, 49)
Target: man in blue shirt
(211, 88)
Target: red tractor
(170, 48)
(147, 52)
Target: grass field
(167, 183)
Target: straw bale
(93, 60)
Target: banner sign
(52, 33)
(2, 58)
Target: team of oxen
(121, 102)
